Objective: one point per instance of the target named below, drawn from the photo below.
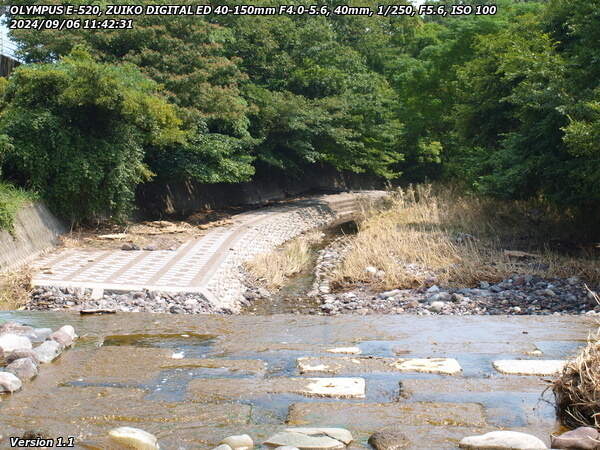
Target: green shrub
(79, 130)
(11, 200)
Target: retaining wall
(183, 198)
(36, 230)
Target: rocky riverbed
(58, 299)
(520, 294)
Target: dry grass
(577, 390)
(15, 288)
(274, 268)
(436, 231)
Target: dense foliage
(78, 133)
(508, 103)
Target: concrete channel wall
(36, 230)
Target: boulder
(15, 328)
(134, 438)
(498, 440)
(18, 354)
(9, 382)
(64, 339)
(47, 351)
(437, 306)
(40, 334)
(222, 447)
(582, 438)
(69, 330)
(10, 342)
(239, 442)
(388, 440)
(23, 368)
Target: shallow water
(121, 372)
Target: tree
(79, 130)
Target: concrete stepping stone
(365, 364)
(498, 440)
(142, 364)
(334, 387)
(345, 350)
(218, 389)
(303, 441)
(538, 367)
(339, 434)
(376, 416)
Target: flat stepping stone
(538, 367)
(345, 350)
(219, 389)
(347, 364)
(144, 364)
(334, 387)
(340, 434)
(311, 438)
(498, 440)
(376, 416)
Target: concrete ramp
(207, 265)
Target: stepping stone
(509, 440)
(339, 434)
(303, 441)
(538, 367)
(460, 385)
(347, 364)
(345, 350)
(142, 364)
(334, 387)
(218, 389)
(375, 416)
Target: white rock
(222, 447)
(335, 387)
(64, 339)
(346, 350)
(371, 270)
(540, 367)
(47, 351)
(10, 342)
(9, 382)
(68, 329)
(134, 438)
(433, 289)
(339, 434)
(498, 440)
(437, 306)
(239, 442)
(40, 334)
(24, 368)
(446, 366)
(177, 355)
(287, 447)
